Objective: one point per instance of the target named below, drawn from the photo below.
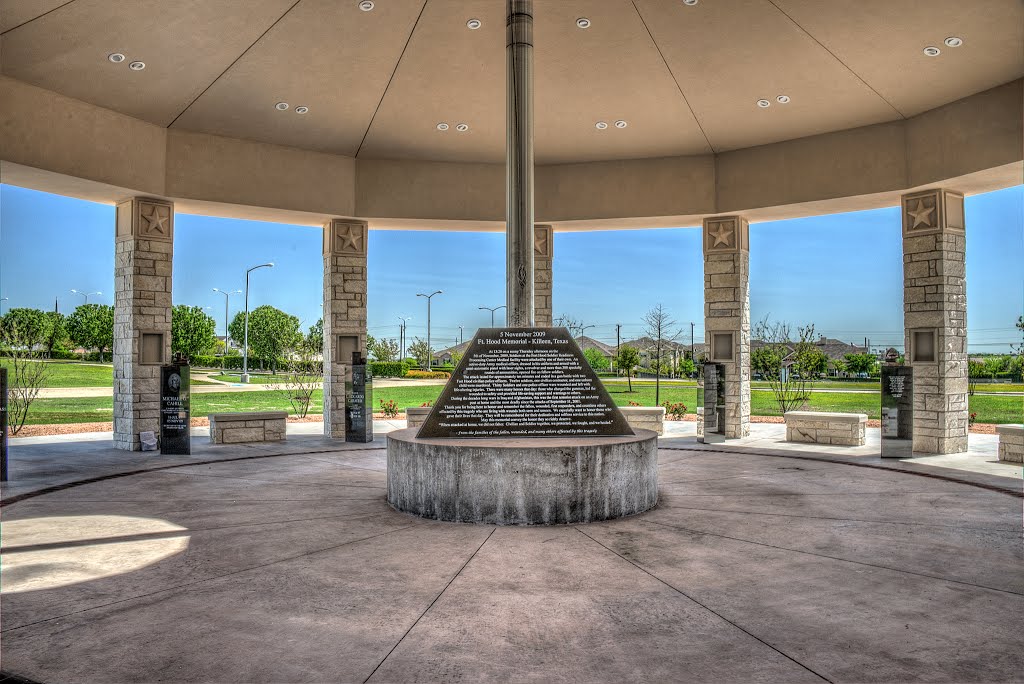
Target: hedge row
(429, 375)
(388, 369)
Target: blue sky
(842, 272)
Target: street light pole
(460, 334)
(487, 308)
(2, 300)
(245, 355)
(430, 352)
(692, 357)
(226, 294)
(401, 334)
(86, 294)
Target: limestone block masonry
(143, 253)
(727, 310)
(345, 243)
(415, 415)
(645, 418)
(935, 318)
(819, 427)
(543, 254)
(239, 428)
(1011, 442)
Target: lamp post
(401, 335)
(692, 357)
(584, 327)
(227, 294)
(245, 355)
(430, 352)
(2, 300)
(85, 294)
(460, 334)
(487, 308)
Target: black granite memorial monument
(3, 425)
(358, 401)
(175, 414)
(713, 400)
(524, 382)
(897, 409)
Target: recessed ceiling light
(932, 51)
(115, 57)
(954, 41)
(621, 124)
(474, 24)
(690, 3)
(583, 23)
(137, 66)
(366, 5)
(281, 106)
(462, 127)
(442, 126)
(601, 125)
(763, 104)
(782, 99)
(301, 109)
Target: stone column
(543, 253)
(143, 252)
(519, 163)
(727, 313)
(345, 244)
(935, 318)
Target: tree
(861, 363)
(304, 374)
(456, 358)
(975, 369)
(315, 336)
(419, 351)
(91, 326)
(627, 360)
(192, 331)
(596, 359)
(25, 327)
(383, 349)
(660, 327)
(687, 367)
(995, 365)
(26, 374)
(770, 360)
(574, 325)
(57, 335)
(810, 362)
(271, 332)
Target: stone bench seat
(253, 426)
(638, 417)
(820, 427)
(1011, 442)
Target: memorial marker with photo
(524, 382)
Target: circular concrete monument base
(516, 481)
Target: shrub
(388, 369)
(411, 363)
(426, 404)
(389, 408)
(676, 410)
(634, 403)
(428, 375)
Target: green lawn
(78, 374)
(254, 379)
(990, 409)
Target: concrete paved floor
(288, 565)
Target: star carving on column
(351, 239)
(921, 215)
(156, 220)
(540, 242)
(722, 236)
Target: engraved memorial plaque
(524, 382)
(897, 411)
(175, 437)
(3, 425)
(713, 401)
(358, 401)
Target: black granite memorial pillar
(358, 401)
(714, 403)
(175, 420)
(897, 411)
(3, 425)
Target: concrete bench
(643, 417)
(1011, 442)
(819, 427)
(415, 415)
(256, 426)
